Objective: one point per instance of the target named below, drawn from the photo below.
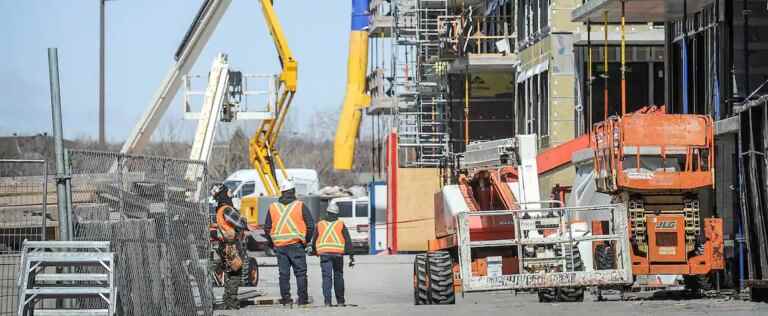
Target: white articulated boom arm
(197, 36)
(215, 96)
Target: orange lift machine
(657, 164)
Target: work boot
(286, 302)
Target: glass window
(361, 209)
(247, 189)
(232, 185)
(345, 208)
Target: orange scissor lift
(658, 164)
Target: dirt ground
(382, 285)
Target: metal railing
(480, 35)
(561, 271)
(24, 215)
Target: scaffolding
(410, 89)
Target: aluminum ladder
(88, 272)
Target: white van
(354, 212)
(246, 182)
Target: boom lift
(494, 233)
(263, 145)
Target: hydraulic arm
(263, 145)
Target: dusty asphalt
(382, 285)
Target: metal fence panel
(154, 212)
(23, 204)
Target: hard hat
(218, 189)
(332, 208)
(286, 185)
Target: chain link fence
(154, 212)
(24, 212)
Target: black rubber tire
(420, 289)
(758, 294)
(697, 284)
(440, 267)
(570, 294)
(251, 272)
(605, 257)
(547, 295)
(251, 244)
(579, 264)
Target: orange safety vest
(288, 226)
(227, 230)
(330, 237)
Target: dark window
(544, 105)
(232, 185)
(345, 208)
(361, 210)
(247, 189)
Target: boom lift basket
(527, 222)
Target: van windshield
(232, 185)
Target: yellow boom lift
(263, 151)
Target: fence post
(61, 190)
(68, 186)
(45, 200)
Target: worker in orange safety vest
(231, 226)
(331, 243)
(288, 225)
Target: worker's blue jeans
(332, 267)
(292, 256)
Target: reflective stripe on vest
(330, 237)
(288, 225)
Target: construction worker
(331, 242)
(288, 225)
(231, 226)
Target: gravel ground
(382, 285)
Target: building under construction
(562, 148)
(451, 72)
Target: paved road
(381, 285)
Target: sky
(142, 36)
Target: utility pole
(102, 92)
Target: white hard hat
(286, 185)
(332, 208)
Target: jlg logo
(665, 225)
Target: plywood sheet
(416, 189)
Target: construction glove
(308, 249)
(351, 261)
